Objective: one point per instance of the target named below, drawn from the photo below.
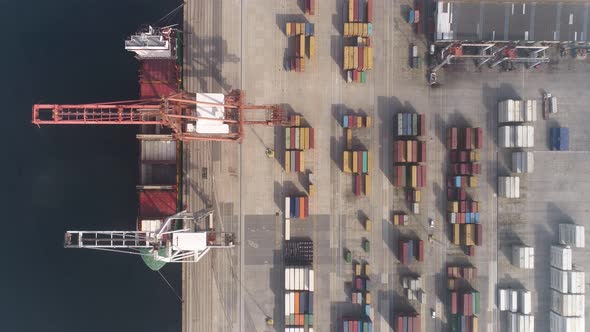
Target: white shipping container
(503, 299)
(523, 257)
(306, 279)
(559, 280)
(567, 304)
(287, 207)
(522, 162)
(301, 278)
(561, 257)
(576, 282)
(572, 235)
(558, 323)
(287, 278)
(311, 281)
(297, 279)
(287, 304)
(524, 303)
(513, 300)
(287, 229)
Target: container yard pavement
(243, 45)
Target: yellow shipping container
(367, 270)
(346, 162)
(357, 269)
(365, 30)
(417, 196)
(311, 189)
(306, 138)
(301, 161)
(351, 57)
(414, 176)
(287, 161)
(365, 56)
(359, 122)
(302, 64)
(474, 324)
(297, 120)
(288, 28)
(370, 57)
(355, 62)
(345, 62)
(369, 161)
(473, 181)
(453, 206)
(355, 164)
(469, 235)
(357, 29)
(350, 10)
(301, 138)
(368, 122)
(311, 46)
(408, 151)
(367, 184)
(451, 284)
(456, 234)
(297, 29)
(302, 45)
(368, 224)
(302, 28)
(348, 132)
(345, 29)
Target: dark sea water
(61, 178)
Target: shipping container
(561, 257)
(572, 235)
(567, 304)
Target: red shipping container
(397, 156)
(297, 161)
(471, 251)
(478, 138)
(410, 325)
(404, 253)
(417, 326)
(292, 138)
(450, 194)
(306, 206)
(462, 218)
(355, 74)
(462, 194)
(370, 11)
(360, 162)
(311, 138)
(420, 251)
(477, 168)
(453, 302)
(357, 184)
(452, 139)
(311, 7)
(462, 206)
(397, 176)
(399, 323)
(414, 151)
(355, 326)
(467, 139)
(465, 304)
(356, 13)
(422, 128)
(454, 156)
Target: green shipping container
(365, 162)
(305, 320)
(414, 124)
(363, 76)
(476, 303)
(404, 176)
(292, 319)
(454, 319)
(310, 316)
(287, 138)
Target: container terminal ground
(242, 44)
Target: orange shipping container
(355, 159)
(296, 302)
(301, 161)
(301, 207)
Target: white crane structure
(176, 239)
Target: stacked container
(299, 291)
(561, 257)
(567, 304)
(356, 325)
(523, 257)
(310, 7)
(412, 176)
(410, 124)
(572, 235)
(517, 111)
(400, 219)
(520, 323)
(523, 162)
(409, 151)
(559, 139)
(358, 24)
(463, 212)
(559, 323)
(571, 282)
(410, 250)
(462, 323)
(509, 186)
(304, 35)
(516, 136)
(408, 323)
(296, 207)
(464, 138)
(356, 121)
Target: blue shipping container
(408, 124)
(297, 207)
(468, 218)
(345, 121)
(477, 217)
(370, 327)
(360, 10)
(310, 302)
(367, 310)
(312, 29)
(292, 199)
(345, 326)
(411, 16)
(564, 139)
(307, 29)
(458, 181)
(553, 138)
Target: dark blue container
(564, 139)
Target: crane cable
(170, 13)
(169, 285)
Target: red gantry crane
(189, 116)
